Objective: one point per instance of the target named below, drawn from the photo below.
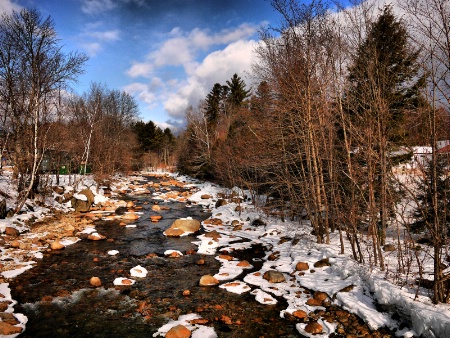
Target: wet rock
(322, 263)
(182, 226)
(56, 245)
(314, 328)
(7, 329)
(178, 331)
(208, 280)
(95, 281)
(302, 266)
(130, 216)
(273, 276)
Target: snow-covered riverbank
(292, 252)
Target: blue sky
(166, 53)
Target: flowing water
(59, 302)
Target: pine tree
(237, 92)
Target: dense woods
(326, 129)
(327, 132)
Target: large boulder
(83, 205)
(183, 226)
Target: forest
(326, 130)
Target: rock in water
(208, 280)
(182, 226)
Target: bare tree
(32, 68)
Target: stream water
(59, 302)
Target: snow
(138, 271)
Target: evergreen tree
(386, 70)
(213, 103)
(237, 92)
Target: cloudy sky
(166, 53)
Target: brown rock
(208, 280)
(226, 257)
(302, 266)
(314, 328)
(300, 314)
(185, 225)
(7, 329)
(274, 276)
(56, 245)
(322, 263)
(15, 244)
(214, 235)
(313, 302)
(130, 216)
(95, 281)
(178, 331)
(320, 296)
(10, 231)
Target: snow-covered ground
(365, 285)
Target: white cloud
(91, 48)
(182, 48)
(111, 35)
(218, 66)
(95, 6)
(140, 69)
(7, 6)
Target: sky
(168, 54)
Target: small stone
(10, 231)
(320, 296)
(56, 245)
(274, 276)
(313, 302)
(15, 244)
(95, 281)
(178, 331)
(314, 328)
(7, 329)
(322, 263)
(302, 266)
(208, 280)
(300, 314)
